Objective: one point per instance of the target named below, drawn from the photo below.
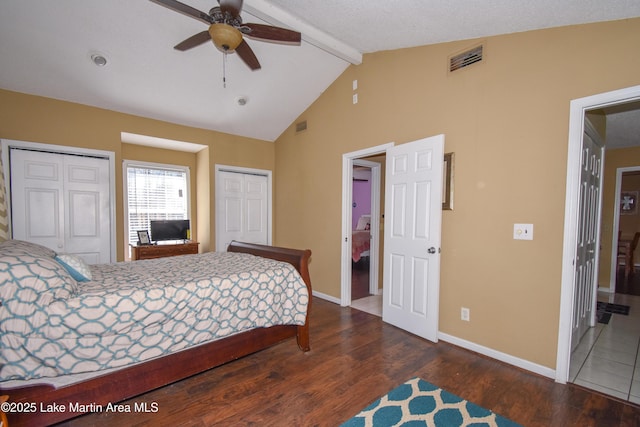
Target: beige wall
(506, 119)
(37, 119)
(630, 224)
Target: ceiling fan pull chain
(224, 70)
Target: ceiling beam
(273, 15)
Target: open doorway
(366, 292)
(568, 367)
(362, 231)
(626, 229)
(361, 205)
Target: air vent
(465, 58)
(300, 126)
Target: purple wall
(361, 199)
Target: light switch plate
(523, 231)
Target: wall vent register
(466, 58)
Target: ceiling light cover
(225, 37)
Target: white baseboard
(486, 351)
(326, 297)
(503, 357)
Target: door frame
(616, 225)
(251, 171)
(63, 149)
(578, 108)
(348, 160)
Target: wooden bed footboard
(41, 404)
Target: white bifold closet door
(241, 208)
(62, 201)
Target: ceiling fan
(226, 30)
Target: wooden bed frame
(146, 376)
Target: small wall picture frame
(629, 203)
(143, 237)
(447, 182)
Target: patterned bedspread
(134, 311)
(360, 242)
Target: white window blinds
(154, 193)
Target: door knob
(431, 250)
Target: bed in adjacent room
(361, 238)
(70, 332)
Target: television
(169, 229)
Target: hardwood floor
(354, 359)
(629, 285)
(360, 279)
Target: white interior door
(413, 215)
(241, 208)
(62, 201)
(586, 275)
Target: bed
(68, 372)
(361, 238)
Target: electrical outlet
(355, 98)
(465, 314)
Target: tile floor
(371, 304)
(607, 358)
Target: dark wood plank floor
(356, 358)
(629, 285)
(360, 279)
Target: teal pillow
(75, 266)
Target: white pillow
(364, 223)
(77, 268)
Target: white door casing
(413, 215)
(62, 201)
(587, 254)
(577, 110)
(243, 207)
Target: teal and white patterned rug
(419, 403)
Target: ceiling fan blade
(232, 6)
(267, 32)
(247, 55)
(193, 41)
(185, 10)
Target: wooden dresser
(161, 251)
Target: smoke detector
(98, 59)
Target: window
(153, 192)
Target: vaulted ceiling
(46, 48)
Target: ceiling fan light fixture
(225, 37)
